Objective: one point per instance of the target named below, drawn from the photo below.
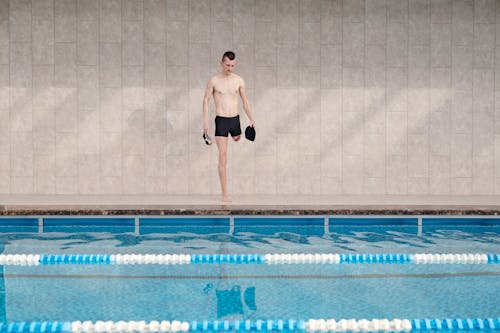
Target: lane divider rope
(297, 258)
(311, 325)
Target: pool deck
(249, 205)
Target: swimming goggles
(208, 140)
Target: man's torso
(226, 91)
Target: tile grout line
(122, 157)
(10, 101)
(386, 158)
(54, 94)
(407, 94)
(33, 145)
(143, 67)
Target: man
(225, 88)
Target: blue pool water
(239, 291)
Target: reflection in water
(229, 302)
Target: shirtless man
(225, 87)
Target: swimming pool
(88, 274)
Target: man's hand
(206, 128)
(252, 123)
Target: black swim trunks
(225, 125)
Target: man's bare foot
(226, 198)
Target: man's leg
(237, 138)
(222, 145)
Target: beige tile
(331, 162)
(461, 156)
(375, 122)
(155, 166)
(287, 185)
(133, 142)
(45, 182)
(133, 174)
(497, 155)
(111, 165)
(21, 166)
(374, 157)
(418, 156)
(110, 21)
(89, 185)
(265, 174)
(439, 133)
(155, 185)
(4, 10)
(44, 122)
(352, 100)
(352, 174)
(202, 185)
(66, 120)
(461, 186)
(287, 156)
(44, 146)
(5, 163)
(353, 11)
(243, 184)
(177, 43)
(265, 10)
(20, 21)
(21, 143)
(418, 186)
(66, 185)
(111, 185)
(352, 133)
(88, 87)
(177, 10)
(440, 186)
(397, 168)
(88, 9)
(43, 42)
(178, 175)
(88, 43)
(65, 26)
(88, 131)
(154, 20)
(21, 120)
(243, 159)
(483, 171)
(310, 175)
(21, 185)
(4, 183)
(441, 37)
(484, 11)
(155, 144)
(374, 186)
(133, 43)
(132, 9)
(331, 186)
(199, 14)
(66, 163)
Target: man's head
(228, 62)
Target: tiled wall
(353, 96)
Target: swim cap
(250, 133)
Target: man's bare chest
(226, 88)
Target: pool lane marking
(280, 258)
(310, 325)
(255, 277)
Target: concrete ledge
(248, 205)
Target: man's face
(227, 65)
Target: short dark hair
(229, 54)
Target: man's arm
(209, 90)
(246, 104)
